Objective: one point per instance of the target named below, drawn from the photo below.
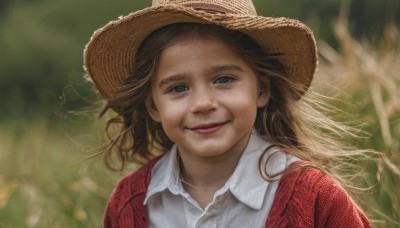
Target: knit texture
(309, 198)
(304, 198)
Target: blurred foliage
(41, 45)
(46, 176)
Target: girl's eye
(224, 80)
(178, 89)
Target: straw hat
(110, 53)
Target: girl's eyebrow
(184, 76)
(223, 68)
(172, 79)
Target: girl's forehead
(198, 56)
(200, 48)
(196, 35)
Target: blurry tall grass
(47, 179)
(366, 76)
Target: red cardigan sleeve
(117, 198)
(125, 206)
(334, 208)
(309, 198)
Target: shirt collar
(165, 175)
(246, 182)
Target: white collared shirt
(244, 201)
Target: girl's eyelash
(224, 79)
(178, 89)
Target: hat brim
(110, 53)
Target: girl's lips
(207, 129)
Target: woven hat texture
(110, 53)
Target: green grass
(46, 179)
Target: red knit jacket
(304, 198)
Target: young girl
(210, 97)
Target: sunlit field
(50, 178)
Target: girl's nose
(203, 102)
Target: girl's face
(205, 96)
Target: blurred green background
(48, 125)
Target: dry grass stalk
(358, 65)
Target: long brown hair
(290, 121)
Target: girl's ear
(152, 109)
(263, 97)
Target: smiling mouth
(207, 129)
